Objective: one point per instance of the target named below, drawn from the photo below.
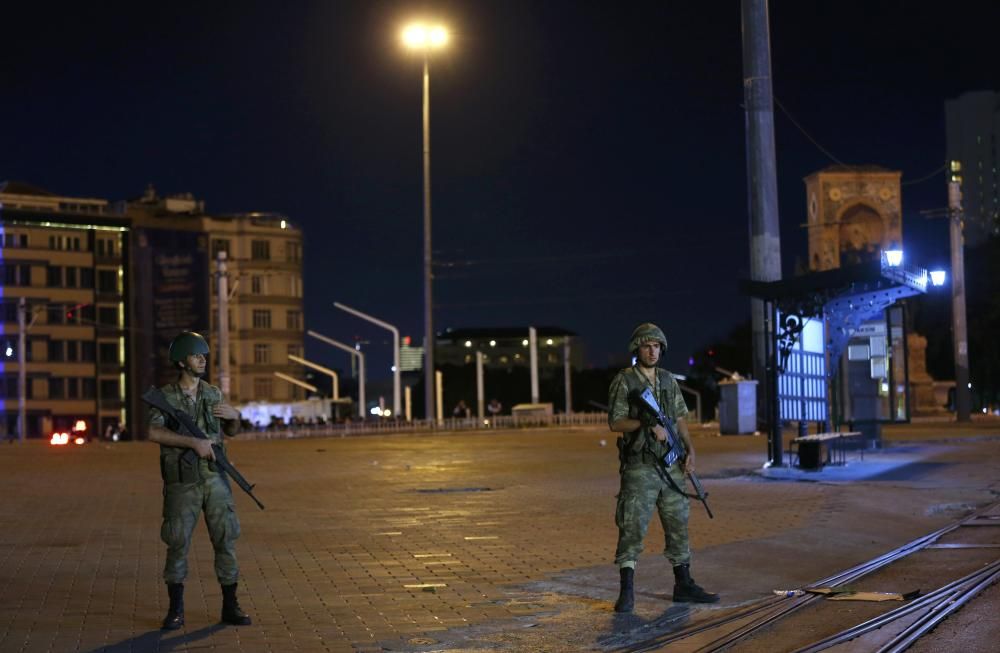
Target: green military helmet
(646, 332)
(186, 344)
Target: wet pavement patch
(447, 490)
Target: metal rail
(782, 607)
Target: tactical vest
(635, 443)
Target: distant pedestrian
(494, 407)
(645, 484)
(193, 487)
(460, 411)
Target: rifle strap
(665, 475)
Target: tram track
(918, 616)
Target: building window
(109, 389)
(54, 314)
(295, 350)
(107, 281)
(72, 388)
(107, 316)
(256, 285)
(87, 350)
(293, 320)
(56, 353)
(72, 351)
(219, 245)
(57, 388)
(70, 277)
(262, 388)
(14, 240)
(53, 276)
(293, 251)
(88, 388)
(109, 353)
(260, 250)
(10, 312)
(86, 278)
(262, 319)
(262, 354)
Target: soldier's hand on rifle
(225, 411)
(689, 463)
(204, 449)
(660, 433)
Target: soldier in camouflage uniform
(191, 487)
(643, 487)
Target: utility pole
(958, 332)
(22, 373)
(480, 394)
(533, 360)
(567, 370)
(222, 286)
(762, 189)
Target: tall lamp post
(424, 38)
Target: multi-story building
(972, 129)
(177, 258)
(106, 287)
(507, 348)
(66, 257)
(266, 325)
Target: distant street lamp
(361, 365)
(395, 349)
(425, 38)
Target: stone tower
(855, 212)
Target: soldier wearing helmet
(643, 487)
(192, 484)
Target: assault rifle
(155, 397)
(647, 401)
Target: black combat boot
(231, 612)
(626, 600)
(688, 591)
(175, 613)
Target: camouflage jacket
(200, 409)
(667, 393)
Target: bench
(808, 448)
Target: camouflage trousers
(182, 504)
(642, 489)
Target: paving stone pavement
(485, 540)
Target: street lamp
(361, 365)
(395, 349)
(425, 38)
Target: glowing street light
(419, 36)
(424, 38)
(938, 277)
(893, 257)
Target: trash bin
(737, 407)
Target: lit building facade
(67, 258)
(266, 323)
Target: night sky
(588, 157)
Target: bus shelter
(837, 348)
